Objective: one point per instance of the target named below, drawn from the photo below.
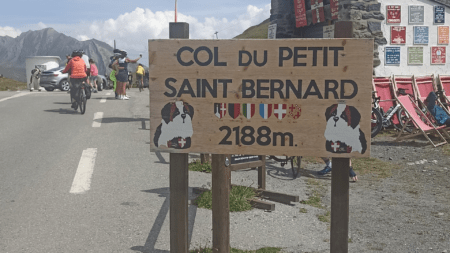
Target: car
(103, 84)
(54, 79)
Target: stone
(374, 26)
(374, 15)
(358, 6)
(374, 7)
(381, 41)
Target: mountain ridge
(47, 42)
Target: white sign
(272, 31)
(328, 31)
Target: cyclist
(77, 67)
(140, 76)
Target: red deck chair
(444, 83)
(406, 83)
(384, 89)
(416, 115)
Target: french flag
(265, 110)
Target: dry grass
(9, 84)
(256, 32)
(374, 166)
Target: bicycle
(381, 119)
(81, 100)
(294, 160)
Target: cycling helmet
(124, 53)
(82, 51)
(77, 53)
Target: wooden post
(221, 175)
(262, 175)
(339, 205)
(340, 178)
(178, 177)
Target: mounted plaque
(398, 34)
(415, 55)
(443, 35)
(438, 55)
(394, 14)
(439, 14)
(421, 35)
(392, 55)
(416, 14)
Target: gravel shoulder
(407, 211)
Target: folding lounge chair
(384, 89)
(416, 115)
(424, 85)
(444, 86)
(406, 83)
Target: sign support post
(339, 179)
(221, 176)
(179, 177)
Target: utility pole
(176, 11)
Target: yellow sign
(307, 97)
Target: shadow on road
(63, 111)
(62, 103)
(122, 120)
(149, 246)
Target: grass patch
(315, 199)
(238, 199)
(9, 84)
(373, 166)
(233, 250)
(197, 166)
(446, 149)
(312, 160)
(303, 210)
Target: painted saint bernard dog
(343, 133)
(175, 130)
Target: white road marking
(97, 119)
(103, 100)
(109, 93)
(82, 181)
(15, 96)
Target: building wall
(404, 68)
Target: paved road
(72, 183)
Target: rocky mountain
(47, 42)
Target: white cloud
(9, 31)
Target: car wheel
(101, 85)
(64, 84)
(49, 89)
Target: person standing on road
(122, 76)
(78, 75)
(93, 75)
(88, 66)
(140, 76)
(68, 57)
(35, 79)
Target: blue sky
(130, 22)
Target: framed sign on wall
(439, 14)
(438, 55)
(394, 14)
(416, 14)
(392, 56)
(415, 55)
(443, 35)
(398, 35)
(421, 35)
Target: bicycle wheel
(403, 118)
(376, 122)
(83, 101)
(295, 165)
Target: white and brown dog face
(176, 125)
(342, 132)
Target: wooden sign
(439, 14)
(443, 34)
(416, 14)
(415, 55)
(300, 13)
(421, 34)
(275, 97)
(398, 34)
(392, 55)
(394, 14)
(272, 31)
(438, 55)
